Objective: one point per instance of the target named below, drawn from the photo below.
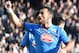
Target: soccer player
(47, 37)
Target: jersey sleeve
(30, 26)
(25, 40)
(63, 36)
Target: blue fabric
(25, 40)
(49, 45)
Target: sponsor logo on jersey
(47, 38)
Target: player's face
(43, 16)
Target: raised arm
(14, 18)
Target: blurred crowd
(11, 36)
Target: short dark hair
(57, 20)
(49, 9)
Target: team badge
(54, 30)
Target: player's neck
(48, 25)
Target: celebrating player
(46, 37)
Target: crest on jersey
(47, 38)
(54, 30)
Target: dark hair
(57, 20)
(49, 9)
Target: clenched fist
(8, 5)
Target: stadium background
(11, 36)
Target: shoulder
(55, 27)
(31, 24)
(58, 28)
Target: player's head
(45, 14)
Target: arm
(14, 18)
(17, 21)
(68, 43)
(69, 46)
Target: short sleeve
(30, 26)
(63, 36)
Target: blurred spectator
(22, 15)
(1, 34)
(1, 8)
(11, 36)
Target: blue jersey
(47, 41)
(29, 41)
